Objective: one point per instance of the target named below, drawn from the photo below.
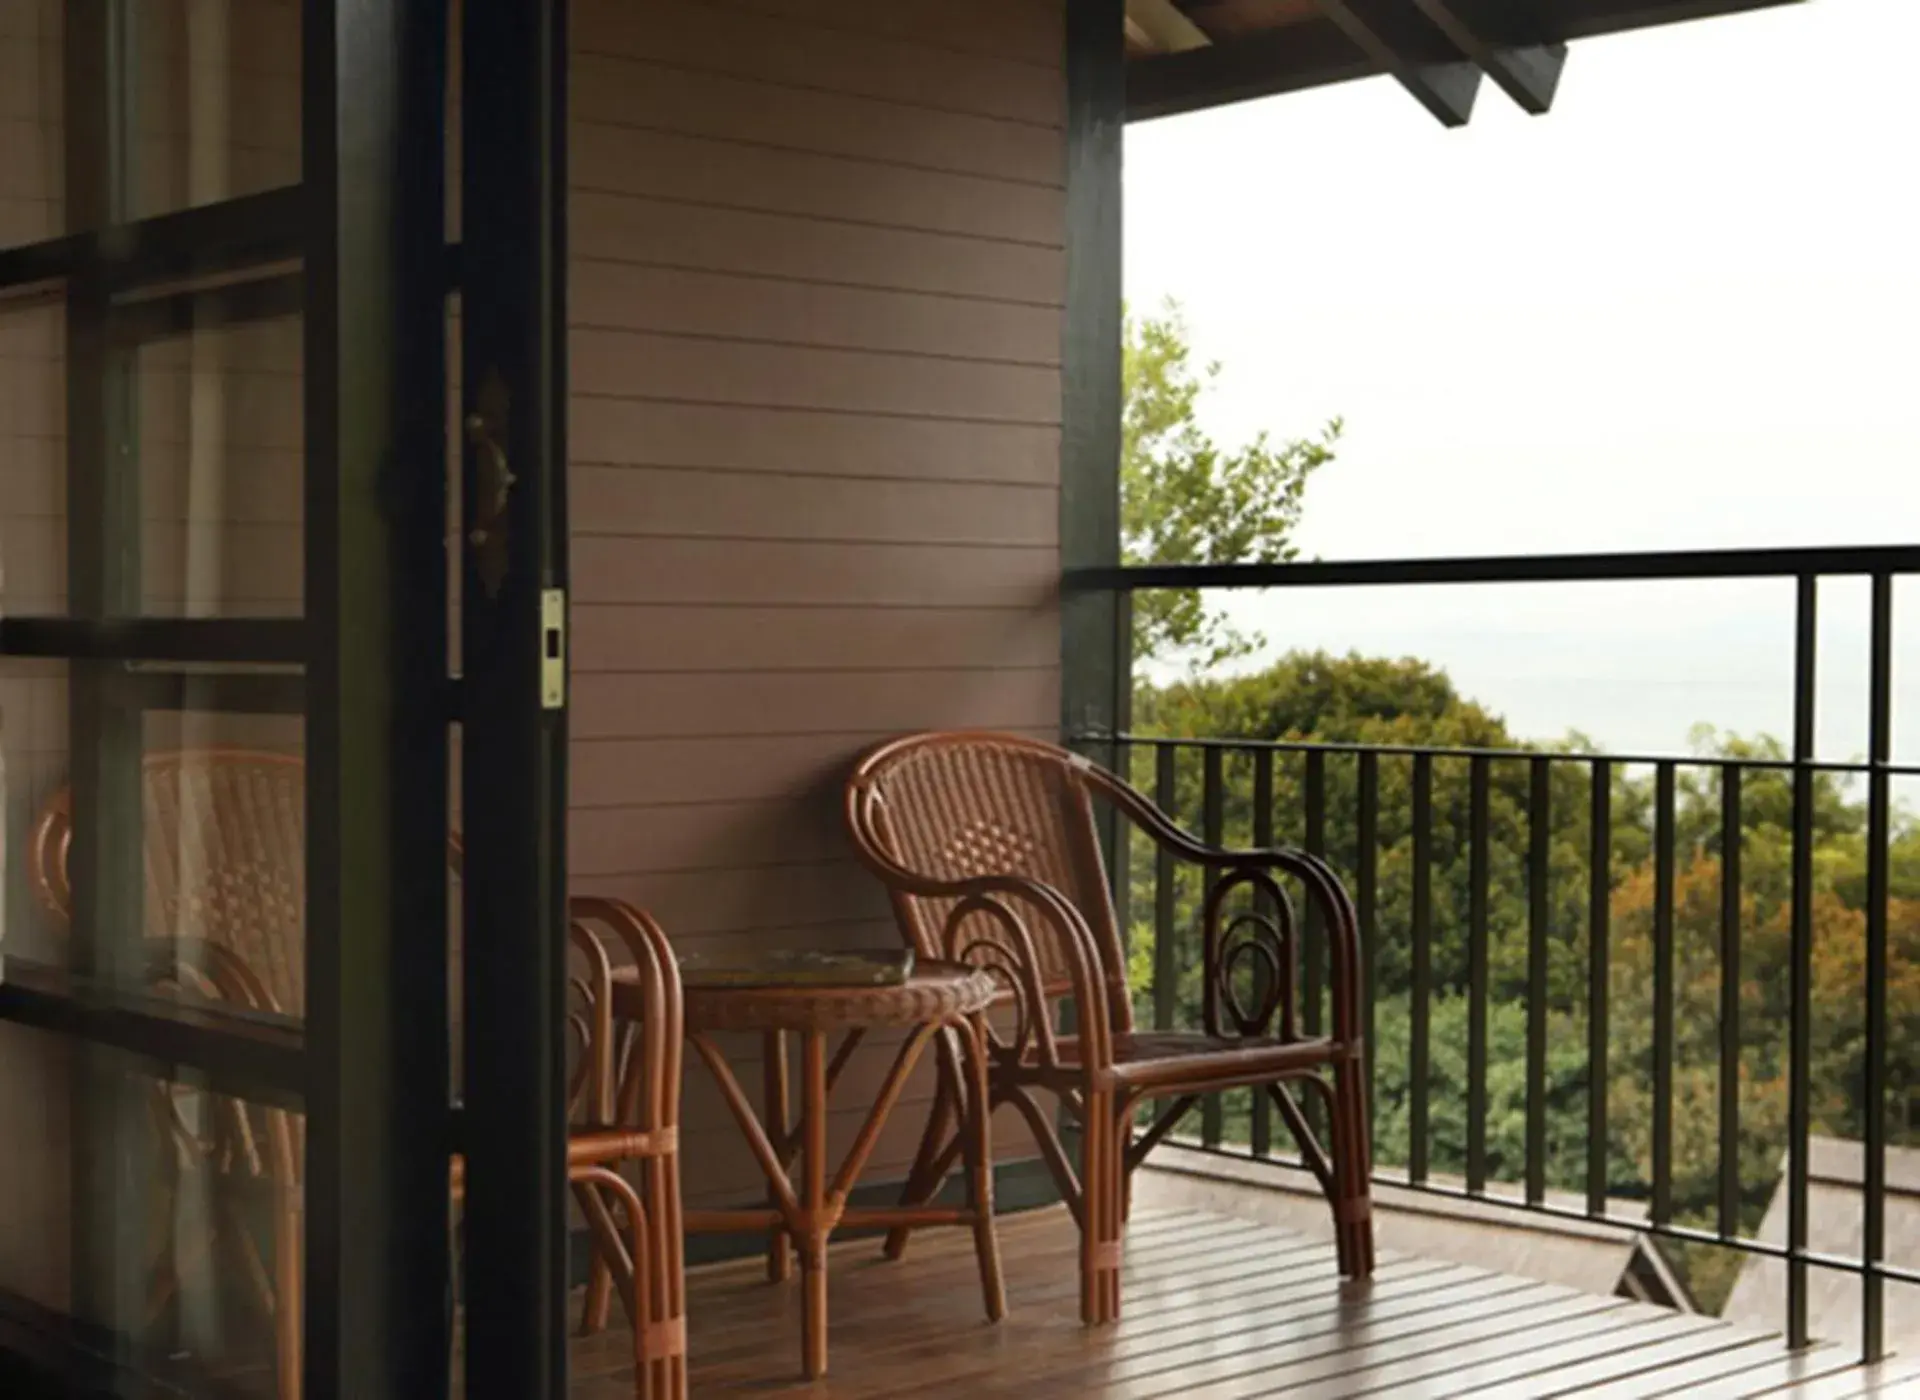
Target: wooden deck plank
(1045, 1321)
(1608, 1337)
(1214, 1308)
(1710, 1345)
(1262, 1332)
(1417, 1345)
(874, 1298)
(1898, 1376)
(1784, 1371)
(987, 1362)
(1154, 1348)
(1788, 1373)
(1696, 1376)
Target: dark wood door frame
(514, 738)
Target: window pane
(33, 484)
(218, 97)
(144, 1205)
(220, 448)
(214, 87)
(196, 806)
(33, 768)
(31, 205)
(202, 402)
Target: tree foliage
(1185, 499)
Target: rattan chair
(990, 849)
(225, 836)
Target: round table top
(933, 991)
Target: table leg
(813, 1249)
(778, 1120)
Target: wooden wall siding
(816, 284)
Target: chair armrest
(1014, 958)
(1271, 938)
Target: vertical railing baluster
(1873, 1246)
(1315, 929)
(1599, 936)
(1730, 836)
(1120, 852)
(1212, 831)
(1479, 775)
(1800, 970)
(1539, 849)
(1366, 897)
(1315, 801)
(1418, 1057)
(1166, 963)
(1661, 1209)
(1263, 839)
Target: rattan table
(939, 1003)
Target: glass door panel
(223, 689)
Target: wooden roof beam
(1164, 26)
(1387, 32)
(1291, 59)
(1528, 73)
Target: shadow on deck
(1215, 1307)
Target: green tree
(1184, 499)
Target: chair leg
(288, 1305)
(666, 1266)
(986, 1243)
(1102, 1172)
(921, 1179)
(1352, 1172)
(598, 1307)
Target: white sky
(1681, 310)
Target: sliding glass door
(242, 559)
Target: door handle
(493, 478)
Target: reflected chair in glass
(225, 867)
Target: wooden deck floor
(1215, 1308)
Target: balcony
(1648, 993)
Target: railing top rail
(1508, 754)
(1537, 568)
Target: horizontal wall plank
(645, 772)
(797, 54)
(787, 574)
(703, 836)
(1029, 30)
(665, 233)
(800, 702)
(732, 438)
(697, 503)
(632, 364)
(625, 160)
(648, 637)
(625, 296)
(768, 904)
(634, 94)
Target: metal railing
(1441, 811)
